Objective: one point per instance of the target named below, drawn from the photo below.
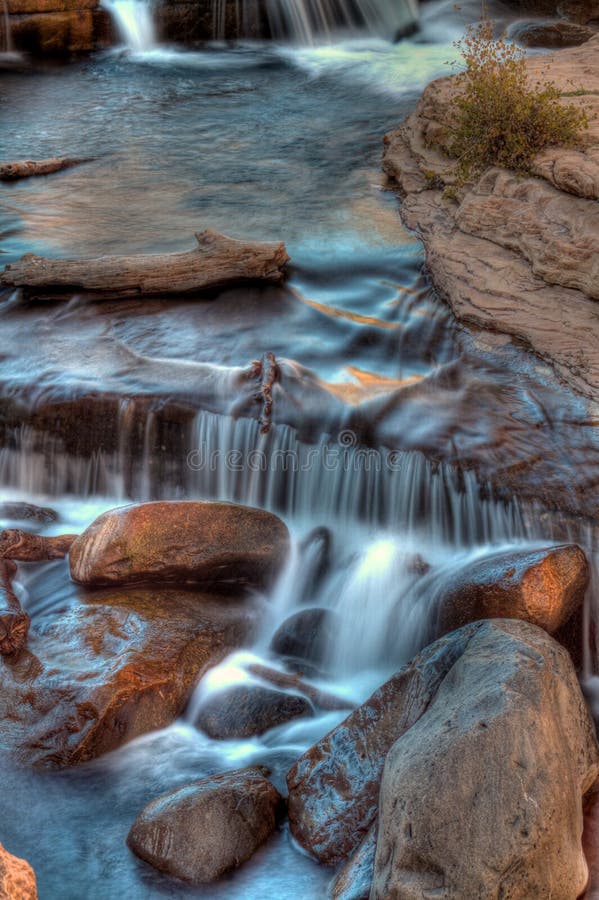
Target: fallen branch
(322, 699)
(26, 547)
(268, 370)
(26, 168)
(14, 622)
(218, 260)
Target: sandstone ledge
(514, 254)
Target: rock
(18, 512)
(482, 797)
(334, 786)
(202, 830)
(17, 878)
(248, 710)
(551, 34)
(353, 881)
(186, 542)
(510, 253)
(26, 547)
(306, 635)
(112, 666)
(57, 33)
(315, 549)
(544, 587)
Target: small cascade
(309, 22)
(134, 22)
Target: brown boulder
(202, 830)
(247, 710)
(306, 635)
(334, 786)
(483, 796)
(111, 667)
(17, 878)
(186, 542)
(544, 587)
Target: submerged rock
(113, 666)
(249, 709)
(181, 542)
(353, 881)
(17, 878)
(544, 587)
(200, 831)
(482, 797)
(306, 635)
(17, 511)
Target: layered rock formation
(514, 254)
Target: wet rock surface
(306, 635)
(17, 878)
(545, 587)
(554, 35)
(508, 746)
(202, 830)
(248, 710)
(334, 786)
(112, 666)
(354, 879)
(187, 542)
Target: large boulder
(544, 586)
(334, 786)
(246, 710)
(17, 878)
(200, 831)
(112, 666)
(186, 542)
(551, 34)
(482, 796)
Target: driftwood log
(26, 547)
(14, 621)
(216, 261)
(319, 698)
(26, 168)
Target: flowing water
(396, 435)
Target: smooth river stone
(181, 542)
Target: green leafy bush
(497, 118)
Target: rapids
(395, 430)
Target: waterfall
(135, 24)
(311, 21)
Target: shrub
(496, 117)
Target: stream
(391, 419)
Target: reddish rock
(544, 587)
(249, 709)
(111, 667)
(187, 542)
(59, 32)
(17, 878)
(334, 786)
(200, 831)
(551, 34)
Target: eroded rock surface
(17, 878)
(514, 254)
(112, 666)
(186, 542)
(354, 879)
(200, 831)
(482, 797)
